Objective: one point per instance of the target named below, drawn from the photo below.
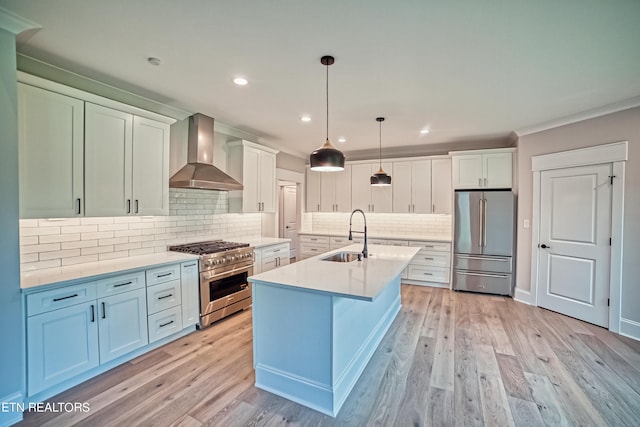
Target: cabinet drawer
(119, 284)
(319, 240)
(360, 239)
(54, 299)
(434, 246)
(496, 264)
(276, 250)
(165, 323)
(482, 282)
(428, 274)
(397, 243)
(163, 296)
(339, 242)
(316, 249)
(430, 257)
(312, 251)
(163, 274)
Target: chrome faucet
(365, 252)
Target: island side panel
(292, 344)
(359, 326)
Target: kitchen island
(316, 323)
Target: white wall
(12, 364)
(621, 126)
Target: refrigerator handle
(480, 223)
(484, 222)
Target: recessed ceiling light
(240, 81)
(153, 61)
(342, 139)
(424, 131)
(305, 118)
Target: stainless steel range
(224, 268)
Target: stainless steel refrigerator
(484, 244)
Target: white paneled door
(289, 218)
(574, 243)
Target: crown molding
(578, 117)
(15, 24)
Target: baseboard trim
(522, 296)
(13, 404)
(630, 328)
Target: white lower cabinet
(75, 329)
(122, 325)
(432, 263)
(269, 257)
(190, 288)
(312, 245)
(60, 345)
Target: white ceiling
(467, 70)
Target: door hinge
(611, 178)
(608, 302)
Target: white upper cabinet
(150, 181)
(313, 190)
(51, 135)
(126, 163)
(335, 191)
(441, 190)
(482, 170)
(255, 167)
(81, 154)
(367, 197)
(412, 186)
(422, 186)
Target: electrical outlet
(526, 223)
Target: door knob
(543, 246)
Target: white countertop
(436, 237)
(91, 270)
(357, 279)
(260, 242)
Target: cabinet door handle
(409, 208)
(122, 284)
(166, 324)
(104, 311)
(166, 296)
(373, 208)
(78, 211)
(63, 298)
(485, 182)
(479, 182)
(433, 208)
(136, 206)
(318, 207)
(93, 314)
(413, 208)
(128, 206)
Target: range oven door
(217, 289)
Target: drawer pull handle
(122, 284)
(63, 298)
(428, 246)
(166, 324)
(428, 274)
(497, 276)
(164, 275)
(483, 259)
(276, 250)
(428, 258)
(166, 296)
(190, 265)
(231, 298)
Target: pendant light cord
(380, 139)
(327, 87)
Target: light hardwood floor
(449, 359)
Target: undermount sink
(342, 257)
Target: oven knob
(209, 262)
(232, 258)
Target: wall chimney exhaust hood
(199, 172)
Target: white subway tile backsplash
(97, 235)
(59, 254)
(30, 249)
(79, 259)
(194, 215)
(79, 244)
(53, 238)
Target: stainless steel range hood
(199, 171)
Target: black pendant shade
(327, 158)
(380, 178)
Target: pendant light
(380, 178)
(327, 158)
